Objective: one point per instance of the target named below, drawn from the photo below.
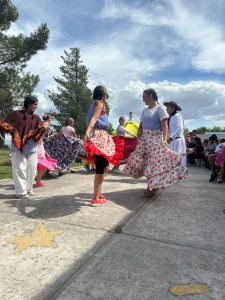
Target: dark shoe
(87, 168)
(212, 178)
(149, 194)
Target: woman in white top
(176, 141)
(152, 158)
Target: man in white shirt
(176, 141)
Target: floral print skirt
(102, 144)
(161, 166)
(64, 149)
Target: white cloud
(193, 35)
(203, 100)
(142, 40)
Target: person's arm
(164, 125)
(97, 112)
(123, 129)
(140, 131)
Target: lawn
(5, 166)
(6, 169)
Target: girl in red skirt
(100, 146)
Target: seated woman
(219, 154)
(197, 152)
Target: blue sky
(175, 46)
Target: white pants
(24, 169)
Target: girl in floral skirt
(152, 158)
(100, 146)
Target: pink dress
(45, 162)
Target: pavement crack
(166, 242)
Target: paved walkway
(60, 247)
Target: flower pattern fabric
(64, 149)
(161, 166)
(103, 141)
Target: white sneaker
(26, 196)
(30, 193)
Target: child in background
(69, 128)
(45, 162)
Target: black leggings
(100, 164)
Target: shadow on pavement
(56, 206)
(63, 205)
(7, 186)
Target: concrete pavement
(168, 247)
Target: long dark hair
(153, 93)
(29, 100)
(99, 92)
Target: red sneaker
(102, 197)
(99, 201)
(39, 184)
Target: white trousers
(24, 169)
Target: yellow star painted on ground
(189, 289)
(40, 237)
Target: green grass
(5, 166)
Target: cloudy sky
(174, 46)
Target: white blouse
(176, 126)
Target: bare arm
(140, 131)
(126, 131)
(164, 130)
(96, 115)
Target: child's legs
(40, 172)
(101, 165)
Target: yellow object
(189, 289)
(131, 126)
(40, 237)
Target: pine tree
(15, 51)
(72, 97)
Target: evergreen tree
(72, 98)
(19, 85)
(15, 51)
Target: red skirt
(101, 143)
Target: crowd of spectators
(211, 151)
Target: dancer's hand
(165, 143)
(86, 137)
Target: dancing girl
(152, 158)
